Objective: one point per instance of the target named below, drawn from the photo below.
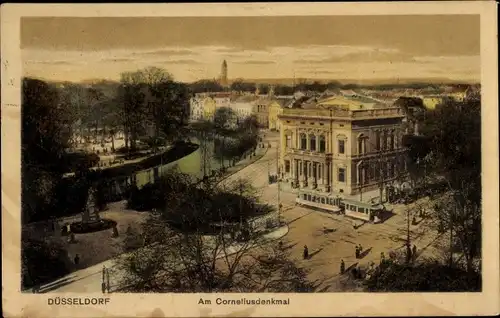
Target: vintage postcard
(250, 159)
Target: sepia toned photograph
(248, 159)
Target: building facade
(275, 109)
(195, 109)
(261, 110)
(342, 150)
(209, 107)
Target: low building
(275, 108)
(243, 106)
(341, 145)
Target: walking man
(414, 251)
(357, 251)
(342, 266)
(306, 252)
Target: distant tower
(223, 74)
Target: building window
(377, 141)
(303, 141)
(384, 141)
(322, 144)
(312, 140)
(288, 141)
(287, 166)
(341, 146)
(391, 142)
(361, 144)
(341, 175)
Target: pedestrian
(103, 272)
(342, 266)
(414, 251)
(357, 251)
(306, 252)
(382, 257)
(77, 259)
(103, 287)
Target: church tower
(223, 74)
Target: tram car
(371, 212)
(325, 202)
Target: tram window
(362, 210)
(308, 197)
(305, 197)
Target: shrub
(42, 261)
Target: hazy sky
(191, 48)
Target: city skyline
(348, 48)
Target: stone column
(327, 176)
(314, 167)
(322, 174)
(301, 173)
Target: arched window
(303, 141)
(322, 143)
(312, 141)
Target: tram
(363, 211)
(328, 202)
(325, 202)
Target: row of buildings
(265, 108)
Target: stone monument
(90, 213)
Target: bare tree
(195, 244)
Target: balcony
(373, 154)
(311, 153)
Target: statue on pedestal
(90, 213)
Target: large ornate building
(341, 145)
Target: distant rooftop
(352, 103)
